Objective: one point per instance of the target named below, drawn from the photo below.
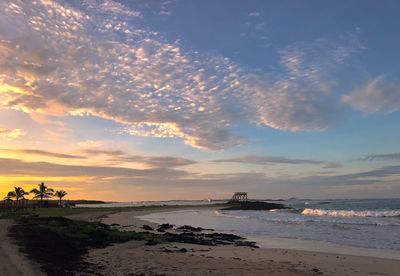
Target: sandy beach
(135, 258)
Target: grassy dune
(58, 243)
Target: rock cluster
(254, 205)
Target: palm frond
(35, 191)
(60, 194)
(11, 194)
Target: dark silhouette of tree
(42, 192)
(60, 194)
(18, 194)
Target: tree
(60, 194)
(10, 195)
(18, 194)
(42, 192)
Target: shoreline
(281, 261)
(298, 244)
(323, 247)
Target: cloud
(313, 63)
(10, 134)
(114, 156)
(254, 14)
(43, 153)
(382, 157)
(164, 12)
(268, 160)
(15, 167)
(114, 179)
(156, 8)
(111, 7)
(259, 26)
(376, 95)
(118, 156)
(104, 152)
(380, 172)
(156, 161)
(332, 165)
(92, 58)
(371, 177)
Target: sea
(369, 227)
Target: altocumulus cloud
(92, 58)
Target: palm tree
(10, 195)
(18, 194)
(42, 192)
(60, 194)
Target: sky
(184, 99)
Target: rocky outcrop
(254, 205)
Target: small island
(239, 201)
(254, 205)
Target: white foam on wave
(351, 213)
(221, 214)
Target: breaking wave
(221, 214)
(351, 213)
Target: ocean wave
(351, 213)
(221, 214)
(275, 210)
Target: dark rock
(246, 243)
(166, 250)
(146, 227)
(183, 250)
(165, 226)
(254, 205)
(192, 229)
(223, 237)
(115, 224)
(210, 239)
(151, 242)
(188, 238)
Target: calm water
(150, 203)
(366, 223)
